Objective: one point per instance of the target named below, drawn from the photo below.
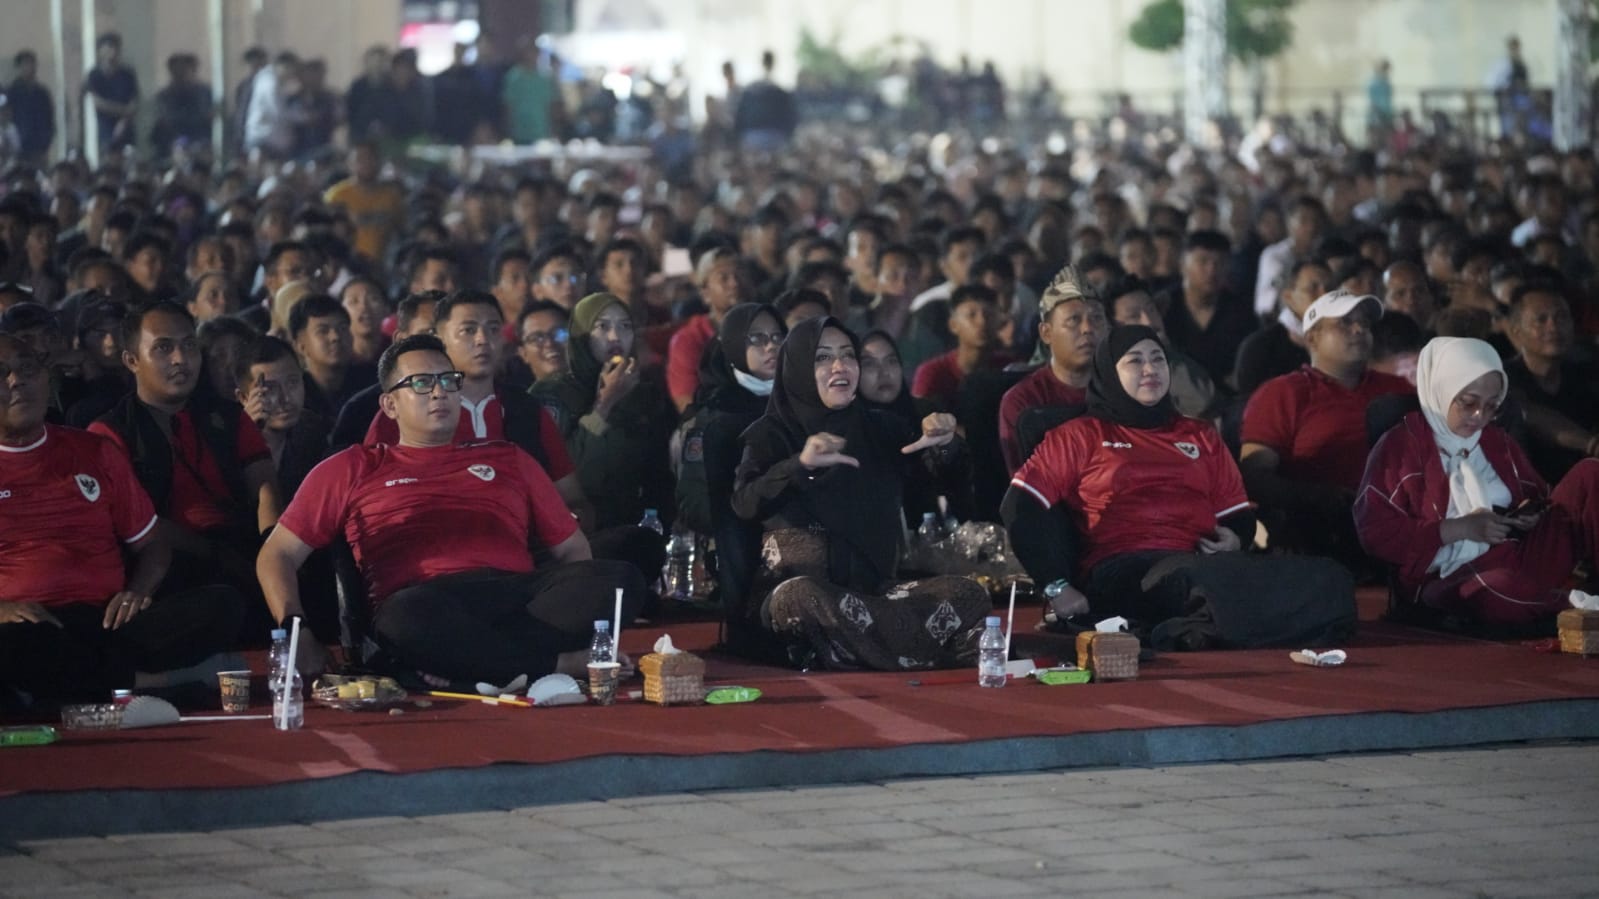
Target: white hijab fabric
(1444, 368)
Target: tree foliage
(1256, 29)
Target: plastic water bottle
(652, 520)
(930, 532)
(278, 655)
(679, 574)
(991, 655)
(288, 706)
(603, 649)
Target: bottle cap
(279, 633)
(993, 621)
(928, 516)
(602, 625)
(650, 512)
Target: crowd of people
(226, 392)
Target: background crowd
(1290, 286)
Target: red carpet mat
(1391, 669)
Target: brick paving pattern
(1513, 821)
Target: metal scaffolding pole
(1573, 102)
(1204, 66)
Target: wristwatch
(1054, 588)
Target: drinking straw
(491, 700)
(288, 672)
(616, 628)
(1010, 618)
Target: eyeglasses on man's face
(545, 338)
(424, 382)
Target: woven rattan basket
(673, 679)
(1109, 656)
(1579, 632)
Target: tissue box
(676, 678)
(1109, 656)
(1579, 631)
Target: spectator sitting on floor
(722, 287)
(1202, 320)
(1559, 396)
(200, 458)
(973, 314)
(557, 275)
(1071, 325)
(927, 333)
(1279, 347)
(271, 388)
(613, 413)
(413, 316)
(1396, 341)
(1192, 391)
(824, 473)
(898, 279)
(541, 343)
(319, 330)
(441, 534)
(1450, 499)
(363, 298)
(1141, 483)
(735, 382)
(1304, 433)
(800, 305)
(1406, 290)
(75, 623)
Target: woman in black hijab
(1140, 483)
(883, 387)
(825, 476)
(736, 375)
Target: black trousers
(1114, 588)
(493, 626)
(81, 660)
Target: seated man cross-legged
(75, 623)
(1304, 433)
(443, 535)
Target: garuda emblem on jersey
(89, 487)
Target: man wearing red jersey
(74, 622)
(1304, 433)
(443, 535)
(1071, 325)
(201, 459)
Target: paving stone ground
(1510, 821)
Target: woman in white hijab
(1450, 499)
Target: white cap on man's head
(1337, 304)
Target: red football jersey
(485, 423)
(192, 503)
(412, 514)
(1317, 425)
(1132, 489)
(67, 504)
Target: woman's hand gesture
(937, 430)
(824, 450)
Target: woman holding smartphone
(1456, 504)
